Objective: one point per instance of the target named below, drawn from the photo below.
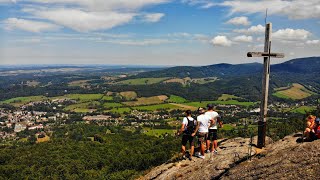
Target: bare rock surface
(284, 159)
(230, 152)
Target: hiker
(309, 132)
(202, 129)
(213, 129)
(187, 128)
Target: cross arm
(265, 54)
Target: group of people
(312, 131)
(204, 128)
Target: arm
(196, 130)
(220, 122)
(181, 129)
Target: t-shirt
(213, 115)
(185, 122)
(203, 121)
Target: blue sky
(154, 32)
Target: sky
(154, 32)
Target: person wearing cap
(213, 129)
(202, 129)
(309, 132)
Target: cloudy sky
(154, 32)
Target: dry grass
(147, 100)
(297, 91)
(129, 95)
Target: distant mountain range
(300, 65)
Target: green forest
(87, 152)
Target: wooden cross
(262, 124)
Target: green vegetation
(296, 91)
(80, 83)
(107, 98)
(120, 110)
(85, 97)
(112, 105)
(71, 155)
(304, 109)
(225, 97)
(18, 101)
(176, 99)
(230, 102)
(159, 132)
(83, 107)
(142, 81)
(156, 107)
(227, 127)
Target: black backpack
(191, 126)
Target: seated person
(309, 132)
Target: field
(32, 83)
(85, 97)
(112, 105)
(129, 95)
(188, 80)
(225, 97)
(297, 91)
(80, 83)
(147, 101)
(230, 102)
(107, 98)
(83, 107)
(158, 132)
(142, 81)
(176, 99)
(156, 107)
(18, 101)
(303, 109)
(120, 110)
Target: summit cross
(267, 54)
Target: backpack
(191, 126)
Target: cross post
(262, 123)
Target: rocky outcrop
(284, 159)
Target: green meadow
(142, 81)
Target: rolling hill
(301, 65)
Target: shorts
(213, 134)
(186, 138)
(202, 137)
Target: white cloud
(313, 42)
(92, 15)
(291, 34)
(98, 5)
(28, 25)
(143, 42)
(221, 41)
(243, 38)
(83, 21)
(294, 9)
(154, 17)
(204, 4)
(259, 29)
(239, 21)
